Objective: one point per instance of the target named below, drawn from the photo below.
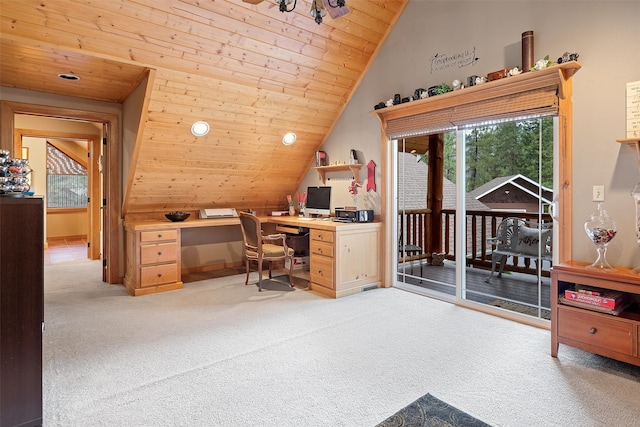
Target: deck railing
(480, 226)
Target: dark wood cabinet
(21, 310)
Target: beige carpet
(219, 353)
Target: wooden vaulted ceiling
(252, 72)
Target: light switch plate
(598, 193)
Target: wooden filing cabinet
(153, 260)
(617, 337)
(322, 262)
(344, 259)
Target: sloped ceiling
(252, 72)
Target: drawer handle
(159, 274)
(159, 236)
(593, 331)
(320, 250)
(159, 253)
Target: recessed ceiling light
(200, 128)
(289, 138)
(66, 76)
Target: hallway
(65, 249)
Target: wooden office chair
(259, 248)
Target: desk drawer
(158, 235)
(159, 274)
(161, 252)
(322, 248)
(322, 235)
(612, 333)
(321, 271)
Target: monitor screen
(318, 201)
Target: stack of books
(602, 300)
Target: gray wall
(605, 35)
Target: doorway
(112, 236)
(48, 153)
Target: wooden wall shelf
(634, 142)
(353, 167)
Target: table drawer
(612, 333)
(322, 248)
(321, 271)
(322, 235)
(158, 235)
(159, 274)
(161, 252)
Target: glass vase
(601, 229)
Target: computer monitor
(318, 201)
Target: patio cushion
(528, 239)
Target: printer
(353, 215)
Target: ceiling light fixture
(200, 128)
(68, 76)
(317, 7)
(289, 138)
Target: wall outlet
(598, 193)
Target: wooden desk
(344, 257)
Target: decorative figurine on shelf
(601, 229)
(567, 57)
(420, 93)
(514, 71)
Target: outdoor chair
(410, 250)
(259, 247)
(520, 238)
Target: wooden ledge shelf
(630, 141)
(634, 142)
(556, 75)
(353, 167)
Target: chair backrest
(512, 232)
(251, 231)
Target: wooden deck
(516, 288)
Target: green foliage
(504, 150)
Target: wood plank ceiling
(252, 72)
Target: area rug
(430, 411)
(521, 308)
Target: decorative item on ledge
(177, 216)
(496, 75)
(439, 89)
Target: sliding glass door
(493, 227)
